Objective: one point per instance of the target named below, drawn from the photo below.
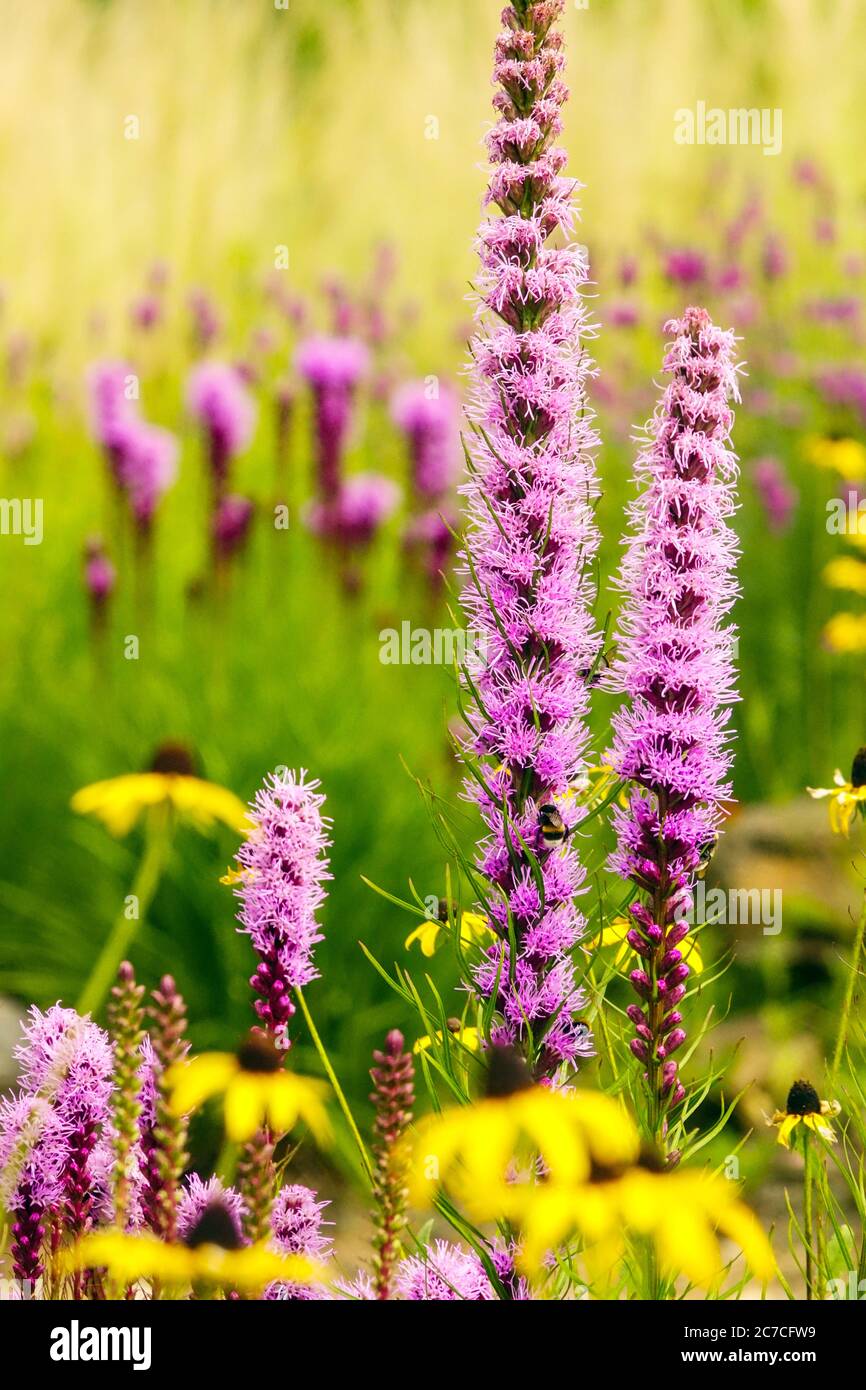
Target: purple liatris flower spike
(531, 533)
(444, 1274)
(283, 866)
(31, 1168)
(296, 1229)
(219, 400)
(66, 1066)
(333, 368)
(674, 663)
(426, 413)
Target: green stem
(119, 939)
(848, 1001)
(332, 1077)
(808, 1214)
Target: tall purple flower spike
(283, 866)
(675, 664)
(530, 536)
(55, 1134)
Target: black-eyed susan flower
(845, 797)
(679, 1211)
(473, 927)
(805, 1107)
(170, 782)
(256, 1088)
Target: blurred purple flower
(778, 497)
(362, 504)
(333, 368)
(427, 415)
(219, 400)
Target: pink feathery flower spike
(296, 1229)
(531, 535)
(674, 663)
(282, 868)
(55, 1146)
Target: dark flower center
(803, 1099)
(506, 1074)
(173, 757)
(858, 768)
(214, 1227)
(257, 1053)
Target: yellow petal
(202, 803)
(546, 1217)
(686, 1245)
(819, 1125)
(291, 1097)
(786, 1129)
(119, 801)
(193, 1082)
(744, 1228)
(245, 1106)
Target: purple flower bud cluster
(530, 537)
(283, 866)
(674, 663)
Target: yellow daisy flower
(805, 1107)
(119, 802)
(845, 797)
(845, 572)
(468, 1037)
(131, 1257)
(257, 1090)
(844, 455)
(679, 1211)
(473, 927)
